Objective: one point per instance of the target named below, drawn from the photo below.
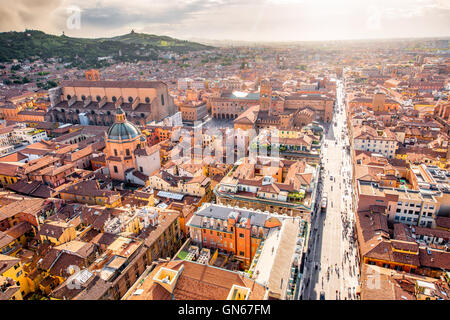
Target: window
(69, 97)
(127, 152)
(241, 253)
(130, 99)
(162, 99)
(241, 235)
(114, 99)
(83, 97)
(140, 169)
(115, 152)
(147, 100)
(115, 169)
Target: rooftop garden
(297, 196)
(182, 254)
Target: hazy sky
(258, 20)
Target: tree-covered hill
(83, 52)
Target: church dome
(122, 129)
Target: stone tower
(378, 102)
(265, 95)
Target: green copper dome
(123, 131)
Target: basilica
(128, 157)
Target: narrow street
(331, 265)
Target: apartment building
(366, 138)
(412, 207)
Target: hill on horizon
(84, 52)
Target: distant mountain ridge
(84, 52)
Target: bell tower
(265, 95)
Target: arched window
(99, 98)
(142, 115)
(130, 99)
(114, 99)
(162, 99)
(108, 113)
(83, 97)
(78, 111)
(147, 100)
(92, 112)
(69, 97)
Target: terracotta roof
(443, 222)
(104, 238)
(270, 188)
(198, 282)
(8, 169)
(140, 175)
(14, 157)
(30, 206)
(52, 229)
(436, 259)
(19, 229)
(31, 188)
(5, 239)
(7, 262)
(58, 262)
(95, 289)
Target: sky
(245, 20)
